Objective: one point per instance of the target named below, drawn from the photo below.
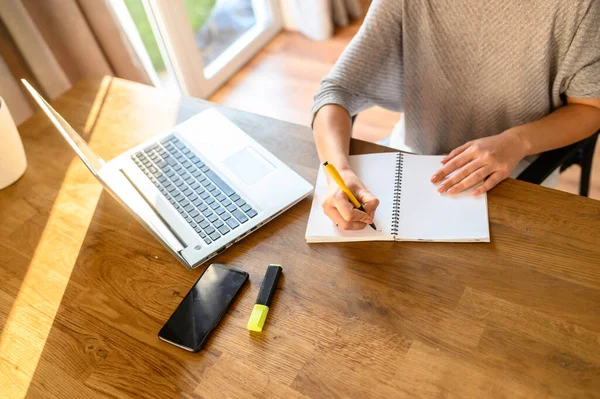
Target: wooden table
(85, 289)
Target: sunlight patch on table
(97, 106)
(30, 320)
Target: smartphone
(200, 311)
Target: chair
(580, 153)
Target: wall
(320, 25)
(288, 11)
(12, 95)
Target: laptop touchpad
(249, 165)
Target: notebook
(410, 207)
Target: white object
(12, 155)
(314, 18)
(410, 207)
(317, 19)
(237, 160)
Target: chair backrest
(580, 153)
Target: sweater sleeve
(583, 56)
(369, 72)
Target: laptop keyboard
(210, 206)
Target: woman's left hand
(490, 159)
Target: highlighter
(267, 289)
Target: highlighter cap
(258, 317)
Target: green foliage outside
(197, 11)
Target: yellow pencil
(340, 182)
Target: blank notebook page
(426, 214)
(377, 172)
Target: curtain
(344, 10)
(317, 19)
(55, 43)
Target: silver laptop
(198, 188)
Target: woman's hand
(489, 160)
(339, 208)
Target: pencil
(342, 185)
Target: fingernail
(452, 190)
(434, 178)
(441, 189)
(475, 193)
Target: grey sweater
(466, 69)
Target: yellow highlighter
(267, 289)
(340, 182)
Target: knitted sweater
(466, 69)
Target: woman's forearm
(567, 125)
(331, 128)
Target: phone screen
(202, 308)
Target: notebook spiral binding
(397, 193)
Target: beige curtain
(345, 10)
(55, 43)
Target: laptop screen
(89, 157)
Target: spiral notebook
(410, 207)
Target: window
(195, 46)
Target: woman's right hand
(338, 207)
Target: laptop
(198, 188)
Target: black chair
(580, 153)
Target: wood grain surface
(85, 289)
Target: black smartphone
(200, 311)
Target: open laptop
(198, 188)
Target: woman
(486, 82)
